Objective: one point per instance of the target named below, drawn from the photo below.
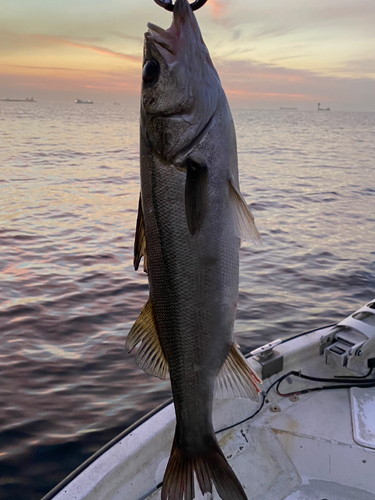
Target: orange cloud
(48, 39)
(218, 8)
(70, 80)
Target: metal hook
(168, 5)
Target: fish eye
(150, 71)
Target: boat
(322, 109)
(79, 101)
(19, 100)
(311, 436)
(288, 108)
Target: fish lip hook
(168, 5)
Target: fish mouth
(183, 31)
(161, 37)
(161, 32)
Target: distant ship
(79, 101)
(19, 100)
(322, 109)
(287, 108)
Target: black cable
(336, 379)
(345, 377)
(323, 388)
(247, 418)
(264, 394)
(345, 383)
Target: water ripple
(69, 294)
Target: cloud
(288, 22)
(67, 81)
(302, 15)
(360, 67)
(138, 39)
(14, 43)
(236, 35)
(218, 8)
(265, 52)
(256, 83)
(275, 30)
(58, 40)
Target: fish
(191, 220)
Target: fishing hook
(168, 5)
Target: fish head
(181, 87)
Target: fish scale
(190, 221)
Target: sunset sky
(268, 53)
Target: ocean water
(69, 184)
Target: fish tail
(209, 468)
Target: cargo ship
(18, 100)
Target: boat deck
(311, 446)
(297, 449)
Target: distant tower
(322, 109)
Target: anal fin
(140, 239)
(150, 356)
(236, 377)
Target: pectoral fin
(236, 378)
(243, 218)
(150, 356)
(195, 195)
(140, 239)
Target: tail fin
(211, 467)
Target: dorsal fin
(236, 378)
(150, 356)
(140, 239)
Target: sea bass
(191, 218)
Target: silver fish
(191, 218)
